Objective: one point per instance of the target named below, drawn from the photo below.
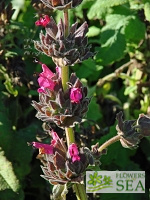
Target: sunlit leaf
(7, 175)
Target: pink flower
(46, 148)
(75, 95)
(74, 153)
(43, 21)
(45, 79)
(43, 148)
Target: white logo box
(115, 181)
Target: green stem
(80, 191)
(109, 142)
(70, 136)
(113, 76)
(79, 188)
(65, 77)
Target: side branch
(113, 75)
(109, 142)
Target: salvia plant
(63, 100)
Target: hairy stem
(80, 191)
(70, 136)
(109, 142)
(65, 77)
(79, 188)
(66, 22)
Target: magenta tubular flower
(43, 21)
(75, 95)
(44, 79)
(74, 153)
(43, 148)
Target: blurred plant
(117, 78)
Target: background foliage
(117, 78)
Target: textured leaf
(134, 30)
(116, 22)
(113, 49)
(7, 176)
(96, 11)
(99, 8)
(14, 163)
(118, 30)
(89, 70)
(147, 11)
(111, 3)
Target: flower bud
(43, 21)
(75, 95)
(73, 151)
(130, 137)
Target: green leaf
(113, 49)
(94, 112)
(130, 89)
(116, 22)
(14, 144)
(86, 69)
(8, 178)
(111, 3)
(89, 70)
(147, 11)
(134, 30)
(99, 8)
(93, 31)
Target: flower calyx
(128, 130)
